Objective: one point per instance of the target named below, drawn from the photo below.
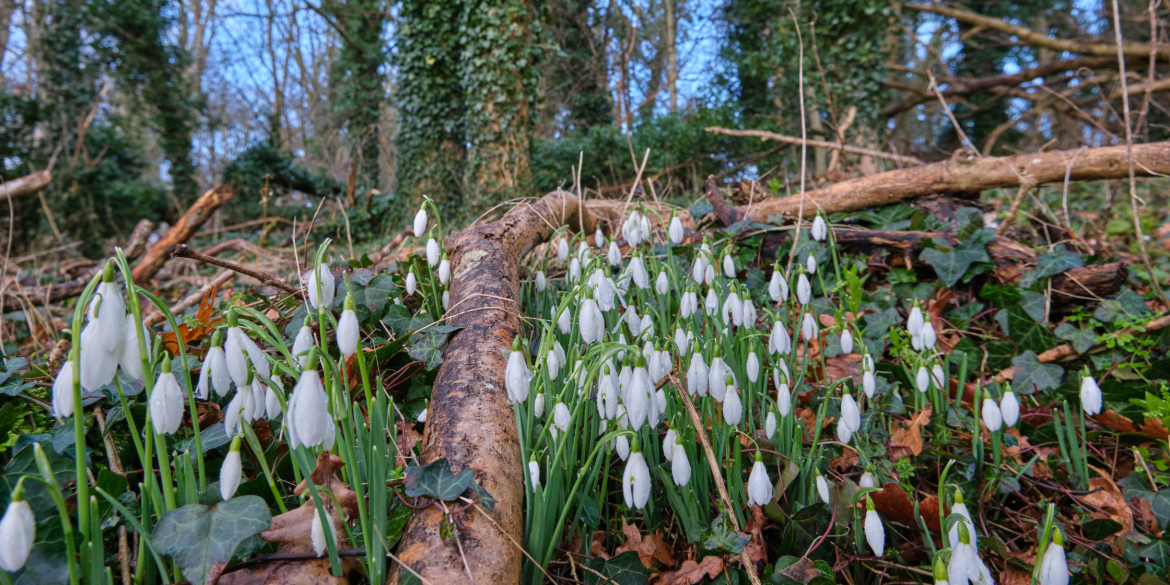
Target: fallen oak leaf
(1153, 427)
(650, 549)
(1117, 422)
(756, 549)
(692, 573)
(893, 502)
(908, 441)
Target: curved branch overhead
(964, 173)
(469, 420)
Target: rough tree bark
(469, 421)
(965, 173)
(25, 185)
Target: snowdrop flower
(563, 250)
(922, 379)
(680, 340)
(272, 399)
(811, 263)
(822, 488)
(446, 299)
(538, 405)
(929, 338)
(676, 230)
(561, 416)
(960, 508)
(444, 271)
(844, 434)
(575, 270)
(680, 465)
(516, 375)
(322, 287)
(599, 238)
(420, 222)
(850, 414)
(709, 275)
(166, 401)
(867, 480)
(698, 269)
(915, 321)
(868, 383)
(819, 230)
(239, 350)
(63, 391)
(732, 406)
(622, 445)
(749, 312)
(728, 266)
(867, 362)
(300, 349)
(592, 322)
(875, 533)
(614, 255)
(98, 365)
(317, 533)
(783, 398)
(940, 571)
(636, 479)
(1054, 566)
(662, 284)
(778, 287)
(717, 379)
(803, 289)
(753, 367)
(770, 424)
(565, 321)
(733, 309)
(111, 311)
(638, 405)
(130, 360)
(808, 327)
(668, 443)
(779, 341)
(433, 253)
(347, 328)
(307, 414)
(938, 376)
(992, 417)
(241, 410)
(697, 375)
(1090, 395)
(534, 473)
(637, 268)
(18, 530)
(1009, 406)
(411, 283)
(711, 303)
(230, 472)
(759, 487)
(846, 341)
(541, 283)
(688, 304)
(646, 326)
(966, 566)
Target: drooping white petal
(1090, 396)
(922, 379)
(347, 332)
(728, 266)
(236, 359)
(63, 391)
(433, 252)
(844, 433)
(98, 365)
(770, 425)
(846, 342)
(130, 359)
(111, 317)
(636, 482)
(230, 474)
(420, 223)
(753, 367)
(317, 534)
(166, 404)
(992, 417)
(561, 416)
(875, 533)
(808, 327)
(783, 399)
(623, 447)
(915, 321)
(1054, 566)
(17, 535)
(1009, 406)
(676, 230)
(322, 287)
(540, 281)
(819, 230)
(445, 272)
(759, 486)
(868, 383)
(517, 377)
(850, 413)
(680, 466)
(308, 418)
(662, 283)
(732, 407)
(717, 379)
(823, 488)
(411, 283)
(803, 289)
(697, 376)
(534, 474)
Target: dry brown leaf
(1115, 421)
(205, 315)
(802, 571)
(928, 509)
(756, 549)
(892, 501)
(827, 320)
(291, 532)
(407, 438)
(843, 366)
(848, 459)
(1112, 504)
(1154, 428)
(809, 417)
(650, 549)
(1141, 509)
(1016, 450)
(1014, 576)
(908, 441)
(691, 573)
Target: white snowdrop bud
(636, 481)
(563, 250)
(680, 466)
(662, 283)
(803, 289)
(697, 375)
(614, 255)
(63, 392)
(732, 407)
(347, 330)
(770, 425)
(433, 253)
(680, 340)
(599, 238)
(130, 359)
(822, 488)
(18, 530)
(322, 287)
(929, 338)
(778, 287)
(411, 283)
(711, 303)
(922, 379)
(819, 229)
(992, 417)
(868, 383)
(646, 327)
(811, 264)
(446, 299)
(938, 376)
(540, 281)
(1090, 395)
(516, 375)
(749, 313)
(420, 223)
(230, 472)
(98, 365)
(300, 350)
(850, 413)
(1009, 406)
(915, 321)
(1054, 566)
(622, 445)
(867, 480)
(564, 320)
(753, 367)
(808, 327)
(676, 230)
(867, 362)
(272, 407)
(111, 313)
(875, 533)
(709, 275)
(779, 341)
(783, 399)
(307, 416)
(844, 434)
(668, 443)
(317, 534)
(759, 486)
(717, 378)
(575, 270)
(166, 402)
(846, 342)
(728, 266)
(534, 474)
(444, 271)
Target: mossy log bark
(470, 421)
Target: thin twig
(182, 251)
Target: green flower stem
(54, 489)
(301, 458)
(79, 410)
(254, 444)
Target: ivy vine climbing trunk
(470, 421)
(499, 84)
(358, 85)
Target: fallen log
(964, 173)
(470, 421)
(145, 269)
(764, 136)
(25, 185)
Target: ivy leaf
(1034, 305)
(1025, 331)
(876, 324)
(1127, 305)
(723, 537)
(202, 539)
(399, 320)
(1100, 529)
(1081, 339)
(1158, 552)
(962, 316)
(623, 569)
(437, 481)
(951, 265)
(1033, 376)
(379, 291)
(396, 523)
(1135, 486)
(428, 345)
(1049, 265)
(702, 207)
(1001, 295)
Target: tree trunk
(470, 421)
